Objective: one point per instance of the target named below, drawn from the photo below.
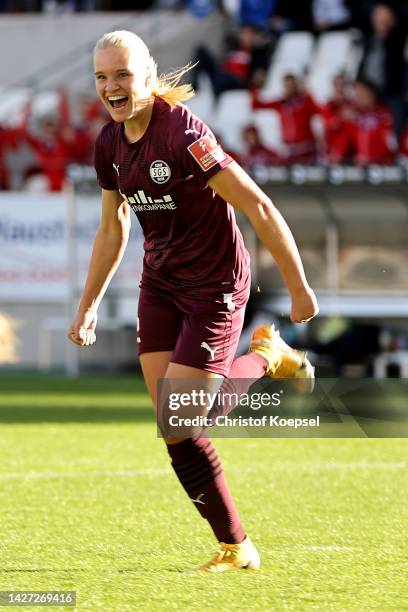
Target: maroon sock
(251, 366)
(199, 470)
(245, 370)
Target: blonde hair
(166, 86)
(8, 340)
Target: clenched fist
(82, 330)
(304, 305)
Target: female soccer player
(157, 158)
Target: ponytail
(167, 86)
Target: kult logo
(139, 201)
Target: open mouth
(117, 102)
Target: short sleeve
(197, 149)
(105, 171)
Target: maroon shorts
(201, 327)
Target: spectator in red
(243, 65)
(336, 116)
(52, 151)
(61, 143)
(371, 128)
(92, 117)
(9, 139)
(77, 138)
(296, 109)
(90, 108)
(256, 153)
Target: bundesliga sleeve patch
(207, 152)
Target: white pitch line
(278, 467)
(363, 465)
(332, 465)
(329, 548)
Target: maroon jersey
(191, 236)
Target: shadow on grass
(39, 398)
(13, 381)
(75, 414)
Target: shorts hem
(212, 369)
(156, 349)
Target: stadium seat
(45, 103)
(12, 104)
(335, 53)
(293, 54)
(233, 112)
(318, 131)
(269, 126)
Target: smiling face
(121, 81)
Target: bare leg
(154, 367)
(195, 460)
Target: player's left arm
(235, 186)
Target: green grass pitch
(88, 502)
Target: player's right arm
(109, 245)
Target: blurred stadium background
(88, 500)
(332, 155)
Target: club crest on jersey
(159, 171)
